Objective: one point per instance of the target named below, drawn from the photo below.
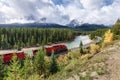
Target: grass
(78, 65)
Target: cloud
(92, 4)
(59, 11)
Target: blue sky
(60, 11)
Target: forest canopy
(27, 37)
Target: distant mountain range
(34, 25)
(74, 24)
(85, 26)
(90, 27)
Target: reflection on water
(76, 42)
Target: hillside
(102, 66)
(112, 63)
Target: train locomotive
(57, 49)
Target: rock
(101, 64)
(77, 77)
(94, 75)
(83, 74)
(71, 78)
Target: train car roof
(32, 48)
(7, 51)
(54, 45)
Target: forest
(42, 67)
(100, 32)
(28, 37)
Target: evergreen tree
(27, 68)
(39, 61)
(26, 37)
(2, 71)
(14, 71)
(81, 47)
(53, 64)
(116, 27)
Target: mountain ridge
(81, 27)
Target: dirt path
(113, 64)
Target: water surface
(76, 42)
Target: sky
(60, 11)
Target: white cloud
(92, 4)
(88, 11)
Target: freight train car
(57, 49)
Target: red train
(7, 56)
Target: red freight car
(7, 57)
(57, 49)
(49, 50)
(21, 54)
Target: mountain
(36, 24)
(86, 26)
(74, 23)
(90, 27)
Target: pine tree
(2, 71)
(28, 67)
(39, 61)
(81, 47)
(53, 64)
(14, 71)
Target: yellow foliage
(86, 56)
(108, 38)
(94, 48)
(74, 55)
(63, 59)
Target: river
(76, 42)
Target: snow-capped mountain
(74, 23)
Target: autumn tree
(108, 38)
(94, 48)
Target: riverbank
(71, 45)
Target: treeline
(115, 30)
(27, 37)
(99, 32)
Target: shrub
(74, 55)
(63, 60)
(94, 48)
